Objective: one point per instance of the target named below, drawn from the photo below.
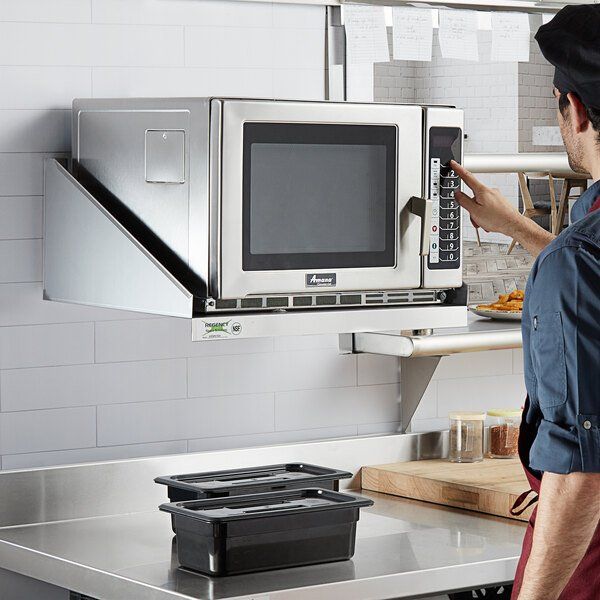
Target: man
(560, 432)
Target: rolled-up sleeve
(565, 358)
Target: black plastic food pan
(258, 532)
(220, 484)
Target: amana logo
(320, 280)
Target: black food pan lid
(226, 481)
(269, 504)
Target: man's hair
(593, 114)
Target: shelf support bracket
(415, 375)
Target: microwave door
(318, 197)
(443, 133)
(324, 190)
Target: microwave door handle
(422, 208)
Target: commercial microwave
(283, 205)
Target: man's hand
(568, 515)
(488, 208)
(491, 211)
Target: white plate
(499, 315)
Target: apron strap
(515, 510)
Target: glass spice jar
(466, 436)
(503, 434)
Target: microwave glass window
(318, 196)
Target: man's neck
(594, 171)
(592, 154)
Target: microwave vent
(226, 304)
(374, 299)
(277, 302)
(399, 298)
(303, 300)
(350, 299)
(251, 303)
(324, 300)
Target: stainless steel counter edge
(95, 583)
(111, 586)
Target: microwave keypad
(449, 217)
(445, 238)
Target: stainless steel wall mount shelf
(91, 257)
(420, 355)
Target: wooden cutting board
(491, 486)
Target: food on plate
(512, 302)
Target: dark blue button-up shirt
(561, 345)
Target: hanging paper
(413, 33)
(458, 34)
(510, 37)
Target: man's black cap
(571, 42)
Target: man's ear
(579, 117)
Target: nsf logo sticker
(214, 330)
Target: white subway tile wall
(79, 384)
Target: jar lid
(505, 412)
(467, 415)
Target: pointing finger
(465, 201)
(467, 176)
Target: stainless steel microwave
(285, 204)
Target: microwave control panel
(444, 240)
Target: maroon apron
(585, 582)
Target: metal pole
(335, 55)
(556, 163)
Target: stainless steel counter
(95, 529)
(404, 549)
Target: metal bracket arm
(415, 375)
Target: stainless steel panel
(89, 258)
(228, 326)
(235, 282)
(109, 141)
